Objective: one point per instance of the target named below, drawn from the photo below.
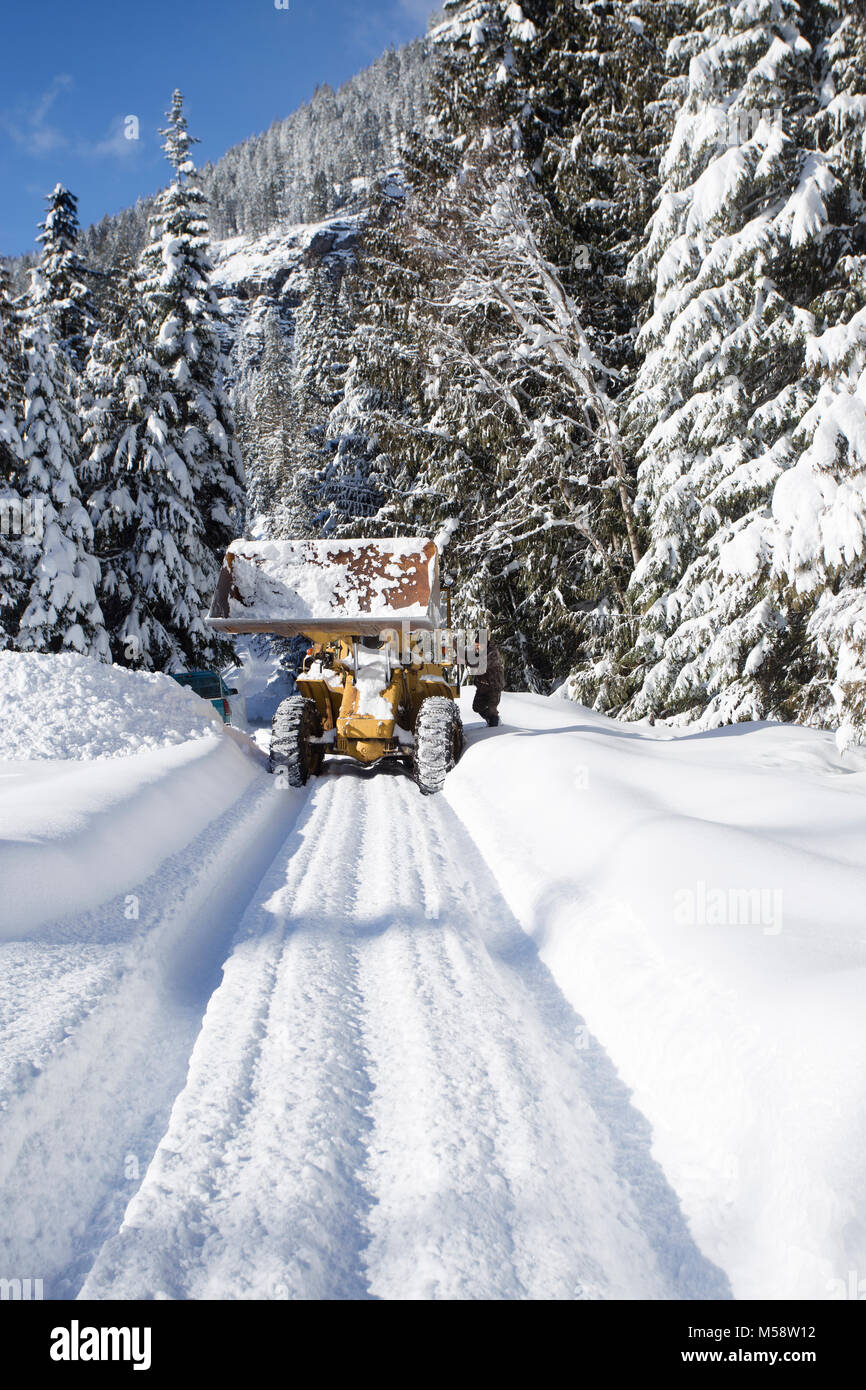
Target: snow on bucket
(327, 587)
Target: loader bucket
(327, 588)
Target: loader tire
(294, 724)
(438, 742)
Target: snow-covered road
(390, 1097)
(391, 1093)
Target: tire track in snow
(390, 1097)
(254, 1191)
(494, 1171)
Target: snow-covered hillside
(244, 266)
(587, 1024)
(275, 291)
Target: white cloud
(120, 142)
(32, 130)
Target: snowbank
(75, 707)
(699, 899)
(73, 835)
(105, 772)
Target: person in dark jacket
(488, 686)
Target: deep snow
(70, 706)
(700, 898)
(587, 1024)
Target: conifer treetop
(178, 139)
(60, 228)
(66, 275)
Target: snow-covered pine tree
(578, 88)
(604, 111)
(13, 568)
(422, 428)
(346, 487)
(187, 327)
(157, 570)
(545, 527)
(332, 465)
(265, 416)
(62, 612)
(485, 52)
(97, 402)
(419, 421)
(602, 105)
(173, 495)
(379, 387)
(462, 412)
(734, 254)
(66, 276)
(819, 505)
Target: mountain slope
(305, 167)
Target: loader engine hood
(326, 588)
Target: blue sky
(75, 70)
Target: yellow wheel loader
(376, 680)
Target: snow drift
(70, 706)
(699, 899)
(106, 773)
